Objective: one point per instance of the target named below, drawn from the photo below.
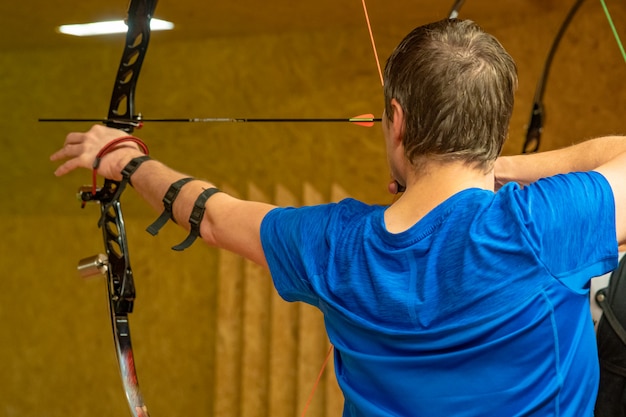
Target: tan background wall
(210, 337)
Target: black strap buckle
(168, 202)
(195, 218)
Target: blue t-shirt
(479, 309)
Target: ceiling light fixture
(107, 28)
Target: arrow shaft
(215, 120)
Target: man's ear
(396, 120)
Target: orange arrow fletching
(365, 120)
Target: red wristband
(108, 148)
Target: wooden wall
(211, 338)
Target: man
(455, 300)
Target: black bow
(116, 264)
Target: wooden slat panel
(257, 288)
(228, 350)
(269, 352)
(337, 193)
(283, 342)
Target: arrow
(365, 120)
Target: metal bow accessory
(116, 264)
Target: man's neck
(431, 186)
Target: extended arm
(606, 155)
(228, 223)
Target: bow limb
(116, 263)
(535, 126)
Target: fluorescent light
(106, 28)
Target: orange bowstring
(317, 381)
(369, 28)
